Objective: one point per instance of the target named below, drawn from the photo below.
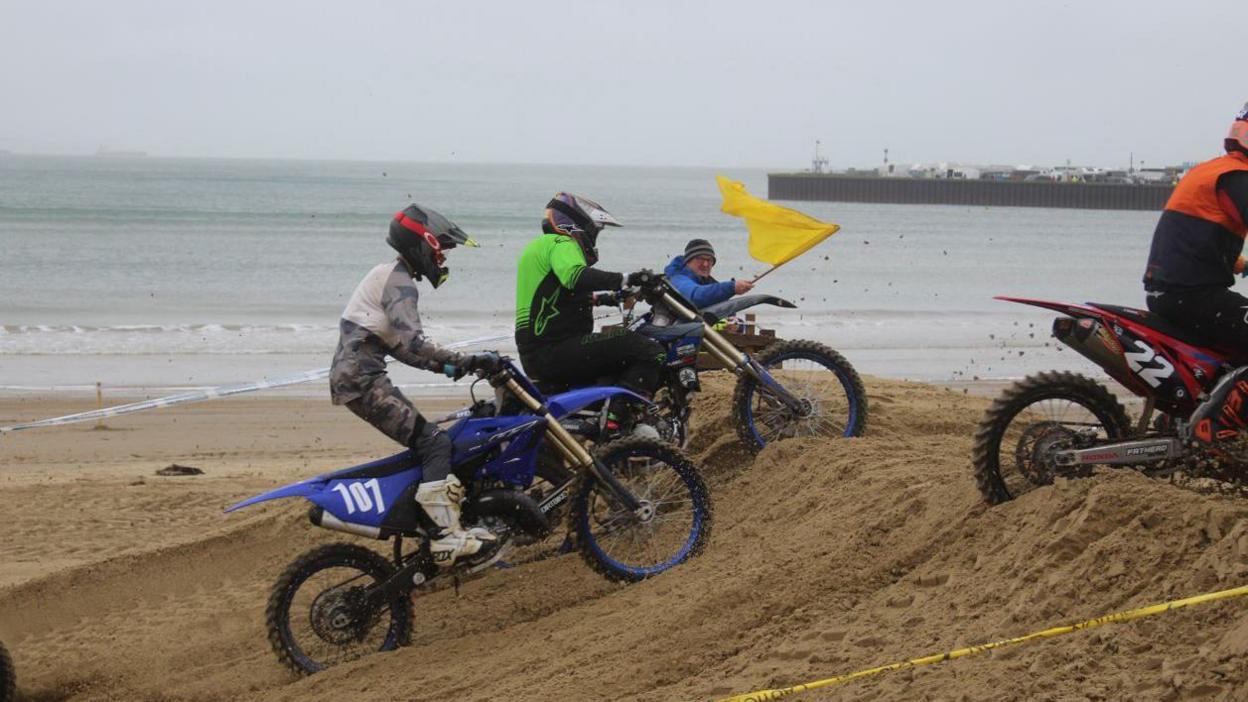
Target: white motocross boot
(441, 500)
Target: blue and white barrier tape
(207, 394)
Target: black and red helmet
(422, 236)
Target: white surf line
(208, 394)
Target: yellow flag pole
(760, 275)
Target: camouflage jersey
(381, 319)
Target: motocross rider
(556, 286)
(1196, 253)
(690, 274)
(381, 319)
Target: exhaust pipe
(319, 517)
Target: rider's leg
(635, 361)
(383, 406)
(1219, 315)
(440, 493)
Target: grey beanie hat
(698, 247)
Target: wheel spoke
(1033, 422)
(815, 381)
(646, 543)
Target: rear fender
(361, 494)
(303, 488)
(1063, 307)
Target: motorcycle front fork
(734, 360)
(575, 453)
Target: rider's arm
(1234, 186)
(568, 262)
(701, 294)
(1233, 190)
(399, 302)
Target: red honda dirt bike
(1061, 424)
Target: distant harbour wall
(956, 191)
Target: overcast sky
(725, 83)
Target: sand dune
(827, 557)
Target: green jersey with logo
(554, 291)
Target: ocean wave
(198, 339)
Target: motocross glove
(641, 278)
(488, 361)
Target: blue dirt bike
(637, 508)
(790, 389)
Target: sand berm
(828, 556)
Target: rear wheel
(317, 615)
(1033, 419)
(833, 400)
(672, 526)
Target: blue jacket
(700, 291)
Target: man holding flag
(690, 274)
(777, 235)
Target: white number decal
(356, 498)
(1146, 354)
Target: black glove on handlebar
(642, 278)
(488, 361)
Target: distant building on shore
(1029, 191)
(1067, 186)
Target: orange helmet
(1237, 138)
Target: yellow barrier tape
(765, 695)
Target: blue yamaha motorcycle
(791, 388)
(637, 508)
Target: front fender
(303, 488)
(566, 403)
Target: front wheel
(833, 401)
(671, 527)
(8, 680)
(317, 616)
(1032, 420)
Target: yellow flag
(777, 234)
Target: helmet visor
(448, 233)
(596, 213)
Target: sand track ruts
(828, 556)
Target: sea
(153, 275)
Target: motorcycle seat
(1156, 323)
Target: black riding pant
(633, 359)
(1219, 315)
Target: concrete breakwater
(953, 191)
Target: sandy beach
(828, 556)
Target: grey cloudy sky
(725, 83)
